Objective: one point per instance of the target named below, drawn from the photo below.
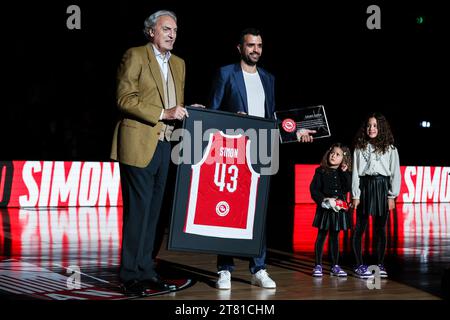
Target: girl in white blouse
(375, 185)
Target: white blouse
(368, 163)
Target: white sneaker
(262, 279)
(224, 281)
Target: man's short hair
(252, 31)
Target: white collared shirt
(163, 61)
(367, 162)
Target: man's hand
(344, 167)
(305, 135)
(242, 112)
(175, 113)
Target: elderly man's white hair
(150, 22)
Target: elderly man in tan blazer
(150, 98)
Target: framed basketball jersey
(221, 190)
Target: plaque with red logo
(294, 122)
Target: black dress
(331, 183)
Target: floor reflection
(50, 240)
(62, 236)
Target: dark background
(59, 84)
(58, 100)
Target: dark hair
(382, 141)
(347, 157)
(252, 31)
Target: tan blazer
(140, 99)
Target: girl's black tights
(333, 241)
(379, 225)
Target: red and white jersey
(222, 195)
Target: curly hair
(347, 157)
(382, 142)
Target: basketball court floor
(74, 254)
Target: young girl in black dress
(329, 188)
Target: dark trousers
(142, 194)
(255, 264)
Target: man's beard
(248, 61)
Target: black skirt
(327, 219)
(374, 195)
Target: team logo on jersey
(222, 208)
(288, 125)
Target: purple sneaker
(383, 272)
(362, 272)
(338, 272)
(317, 271)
